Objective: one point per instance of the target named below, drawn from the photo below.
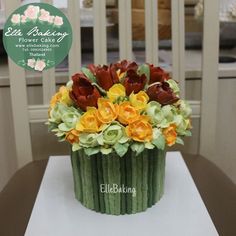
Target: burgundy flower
(134, 82)
(106, 76)
(157, 74)
(83, 93)
(162, 93)
(125, 65)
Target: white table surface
(181, 210)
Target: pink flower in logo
(15, 19)
(44, 15)
(58, 21)
(23, 18)
(51, 19)
(32, 12)
(39, 65)
(31, 63)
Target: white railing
(23, 114)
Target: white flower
(58, 21)
(44, 15)
(15, 19)
(39, 65)
(23, 18)
(32, 12)
(51, 19)
(31, 63)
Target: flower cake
(119, 119)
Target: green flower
(154, 111)
(185, 109)
(88, 140)
(66, 116)
(69, 118)
(182, 124)
(173, 85)
(161, 116)
(112, 134)
(56, 113)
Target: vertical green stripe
(88, 181)
(81, 159)
(106, 182)
(95, 182)
(155, 177)
(129, 181)
(76, 175)
(150, 173)
(134, 182)
(123, 183)
(145, 181)
(100, 182)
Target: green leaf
(124, 139)
(149, 145)
(179, 141)
(52, 125)
(89, 74)
(64, 127)
(106, 151)
(60, 134)
(101, 90)
(91, 151)
(159, 142)
(137, 147)
(144, 69)
(100, 139)
(121, 149)
(188, 133)
(75, 147)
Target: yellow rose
(170, 134)
(127, 113)
(117, 90)
(140, 130)
(88, 122)
(139, 100)
(55, 98)
(65, 97)
(107, 111)
(61, 96)
(72, 136)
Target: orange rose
(72, 136)
(140, 130)
(107, 111)
(127, 113)
(88, 122)
(170, 134)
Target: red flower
(134, 82)
(157, 74)
(162, 93)
(125, 65)
(106, 76)
(83, 93)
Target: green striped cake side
(119, 185)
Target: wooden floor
(217, 191)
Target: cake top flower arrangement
(124, 105)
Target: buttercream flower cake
(119, 120)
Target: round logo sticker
(37, 36)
